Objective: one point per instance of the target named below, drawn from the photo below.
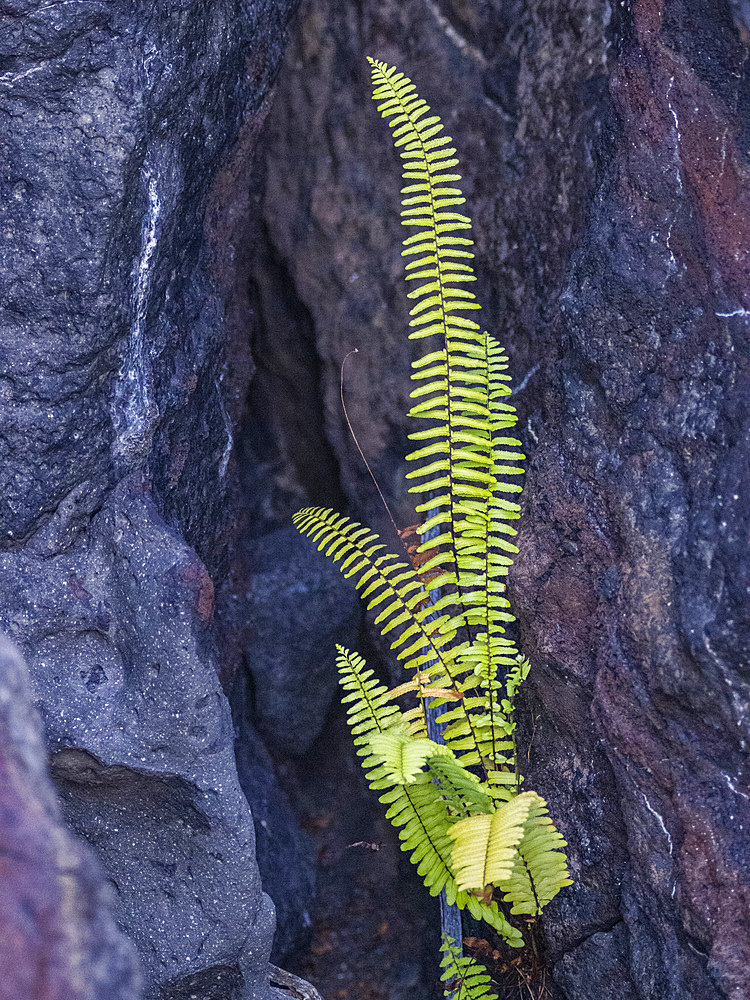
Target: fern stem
(359, 447)
(491, 672)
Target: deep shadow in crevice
(286, 459)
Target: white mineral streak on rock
(228, 428)
(134, 404)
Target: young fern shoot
(459, 806)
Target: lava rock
(124, 670)
(126, 174)
(597, 968)
(299, 607)
(631, 549)
(124, 300)
(58, 936)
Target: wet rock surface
(604, 155)
(58, 936)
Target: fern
(464, 978)
(458, 807)
(486, 845)
(539, 869)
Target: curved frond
(402, 755)
(539, 869)
(369, 708)
(384, 581)
(485, 845)
(420, 814)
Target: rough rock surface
(123, 362)
(58, 937)
(298, 606)
(140, 734)
(605, 161)
(635, 568)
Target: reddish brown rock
(58, 937)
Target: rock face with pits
(122, 366)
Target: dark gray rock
(124, 176)
(284, 852)
(58, 937)
(117, 632)
(597, 967)
(631, 550)
(123, 365)
(298, 607)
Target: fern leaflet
(464, 978)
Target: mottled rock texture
(298, 606)
(605, 162)
(58, 937)
(123, 360)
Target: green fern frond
(539, 869)
(463, 792)
(513, 680)
(461, 467)
(485, 845)
(464, 978)
(465, 460)
(369, 708)
(429, 200)
(402, 755)
(424, 637)
(385, 582)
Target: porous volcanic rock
(299, 606)
(140, 734)
(123, 365)
(58, 936)
(604, 150)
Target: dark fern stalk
(455, 797)
(450, 915)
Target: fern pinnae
(539, 867)
(379, 577)
(465, 978)
(418, 809)
(436, 312)
(459, 389)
